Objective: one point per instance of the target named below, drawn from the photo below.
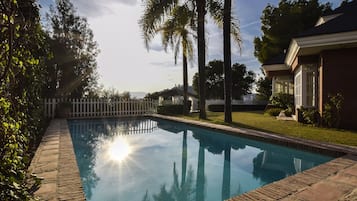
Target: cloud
(95, 8)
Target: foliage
(282, 100)
(289, 112)
(177, 31)
(235, 108)
(273, 111)
(309, 116)
(277, 25)
(170, 109)
(111, 93)
(242, 80)
(72, 69)
(168, 93)
(22, 72)
(264, 87)
(332, 110)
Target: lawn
(259, 121)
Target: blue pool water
(151, 160)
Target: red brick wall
(339, 74)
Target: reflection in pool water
(117, 149)
(152, 160)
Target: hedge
(236, 108)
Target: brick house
(321, 61)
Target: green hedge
(236, 108)
(170, 109)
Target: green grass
(258, 121)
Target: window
(283, 84)
(298, 89)
(310, 88)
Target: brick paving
(55, 162)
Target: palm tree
(176, 32)
(230, 28)
(227, 61)
(154, 15)
(201, 11)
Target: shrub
(170, 109)
(288, 112)
(273, 111)
(310, 116)
(332, 111)
(282, 100)
(236, 108)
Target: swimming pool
(149, 160)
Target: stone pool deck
(335, 180)
(55, 162)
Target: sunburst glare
(119, 149)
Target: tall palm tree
(201, 11)
(176, 31)
(230, 28)
(227, 61)
(154, 15)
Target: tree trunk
(226, 183)
(227, 61)
(185, 85)
(184, 158)
(201, 56)
(200, 180)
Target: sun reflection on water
(119, 149)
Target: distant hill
(137, 94)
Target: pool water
(156, 160)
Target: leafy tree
(73, 66)
(280, 24)
(242, 80)
(264, 87)
(21, 77)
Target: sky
(125, 64)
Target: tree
(73, 67)
(227, 61)
(277, 25)
(264, 87)
(242, 80)
(176, 32)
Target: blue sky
(125, 64)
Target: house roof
(279, 59)
(343, 19)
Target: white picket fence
(101, 107)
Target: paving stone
(55, 162)
(352, 170)
(345, 179)
(48, 188)
(325, 191)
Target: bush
(170, 109)
(236, 108)
(288, 112)
(273, 111)
(282, 100)
(310, 116)
(332, 111)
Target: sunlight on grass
(259, 121)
